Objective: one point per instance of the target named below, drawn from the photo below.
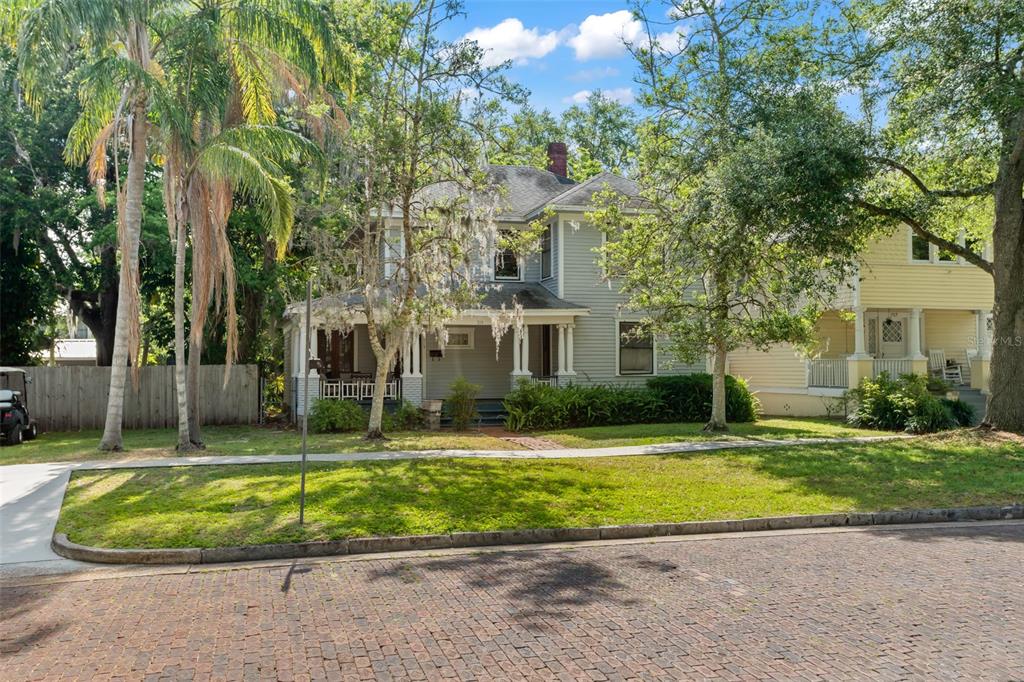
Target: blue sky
(560, 49)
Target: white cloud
(620, 95)
(602, 35)
(510, 40)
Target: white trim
(471, 334)
(788, 390)
(561, 256)
(520, 262)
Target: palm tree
(119, 84)
(230, 60)
(131, 47)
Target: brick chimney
(557, 158)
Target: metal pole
(305, 404)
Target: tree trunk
(180, 368)
(717, 421)
(1006, 401)
(133, 196)
(195, 407)
(374, 431)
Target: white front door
(892, 335)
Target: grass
(650, 434)
(76, 446)
(229, 505)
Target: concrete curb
(194, 555)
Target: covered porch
(539, 348)
(951, 344)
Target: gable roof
(526, 191)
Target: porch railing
(549, 381)
(340, 389)
(827, 373)
(893, 367)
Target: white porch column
(526, 350)
(561, 350)
(517, 351)
(983, 341)
(417, 349)
(406, 354)
(859, 347)
(914, 336)
(569, 352)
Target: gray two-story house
(574, 328)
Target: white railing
(827, 373)
(550, 381)
(893, 367)
(339, 389)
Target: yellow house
(909, 308)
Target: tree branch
(924, 233)
(980, 190)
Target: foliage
(461, 403)
(962, 412)
(405, 417)
(336, 416)
(938, 385)
(742, 168)
(407, 181)
(600, 135)
(687, 398)
(532, 406)
(903, 404)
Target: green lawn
(228, 505)
(650, 434)
(73, 446)
(76, 446)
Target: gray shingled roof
(530, 295)
(522, 188)
(582, 195)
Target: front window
(506, 261)
(919, 248)
(636, 351)
(460, 338)
(545, 253)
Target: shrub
(461, 403)
(902, 404)
(335, 416)
(938, 385)
(962, 412)
(534, 406)
(405, 417)
(688, 398)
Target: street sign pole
(305, 404)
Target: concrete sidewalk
(31, 494)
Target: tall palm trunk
(131, 227)
(195, 353)
(180, 385)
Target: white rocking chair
(938, 366)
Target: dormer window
(506, 261)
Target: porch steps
(492, 413)
(975, 399)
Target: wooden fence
(73, 398)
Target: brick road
(923, 603)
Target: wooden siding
(835, 335)
(74, 398)
(889, 279)
(595, 339)
(781, 366)
(478, 365)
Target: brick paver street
(933, 603)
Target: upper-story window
(506, 261)
(545, 253)
(920, 249)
